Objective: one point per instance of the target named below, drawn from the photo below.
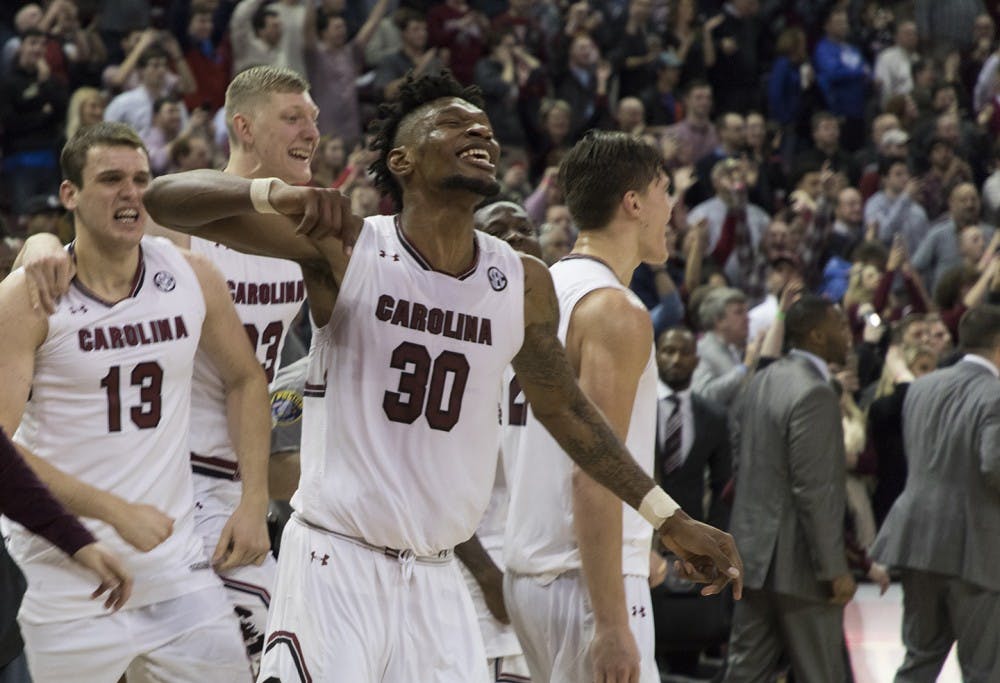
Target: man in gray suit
(943, 532)
(724, 363)
(788, 516)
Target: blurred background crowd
(844, 148)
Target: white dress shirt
(979, 360)
(820, 364)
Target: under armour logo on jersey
(79, 308)
(498, 281)
(164, 281)
(381, 252)
(638, 611)
(322, 560)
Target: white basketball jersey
(268, 294)
(109, 405)
(400, 429)
(540, 538)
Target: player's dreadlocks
(413, 94)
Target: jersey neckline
(137, 280)
(415, 254)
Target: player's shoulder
(614, 314)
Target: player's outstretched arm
(549, 384)
(22, 330)
(244, 539)
(218, 206)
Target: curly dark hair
(413, 94)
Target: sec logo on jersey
(498, 281)
(164, 281)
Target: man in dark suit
(788, 514)
(692, 437)
(943, 531)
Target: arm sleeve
(25, 500)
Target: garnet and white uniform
(268, 294)
(399, 443)
(110, 405)
(546, 595)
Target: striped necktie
(671, 438)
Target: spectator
(385, 41)
(741, 49)
(412, 56)
(526, 27)
(630, 116)
(32, 112)
(168, 125)
(947, 24)
(501, 76)
(42, 213)
(735, 226)
(329, 162)
(30, 16)
(904, 108)
(334, 65)
(454, 26)
(695, 136)
(892, 144)
(255, 32)
(190, 153)
(894, 209)
(293, 22)
(946, 172)
(939, 251)
(549, 139)
(867, 157)
(555, 240)
(582, 82)
(86, 107)
(691, 40)
(791, 86)
(209, 58)
(894, 66)
(782, 269)
(826, 148)
(991, 190)
(843, 77)
(135, 107)
(725, 356)
(732, 132)
(848, 225)
(765, 172)
(659, 99)
(634, 48)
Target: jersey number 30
(422, 379)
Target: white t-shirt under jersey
(400, 429)
(268, 294)
(109, 405)
(539, 538)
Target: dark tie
(671, 437)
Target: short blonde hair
(248, 87)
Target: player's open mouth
(479, 157)
(299, 154)
(128, 216)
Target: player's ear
(400, 161)
(631, 204)
(242, 128)
(67, 195)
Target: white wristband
(657, 506)
(260, 189)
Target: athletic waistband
(407, 555)
(217, 468)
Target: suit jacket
(947, 520)
(718, 376)
(788, 515)
(710, 448)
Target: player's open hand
(614, 655)
(244, 539)
(49, 269)
(706, 554)
(142, 526)
(115, 579)
(321, 213)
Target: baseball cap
(43, 203)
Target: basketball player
(578, 564)
(271, 120)
(109, 376)
(400, 428)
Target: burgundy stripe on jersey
(137, 280)
(314, 390)
(248, 588)
(425, 264)
(289, 639)
(218, 468)
(588, 257)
